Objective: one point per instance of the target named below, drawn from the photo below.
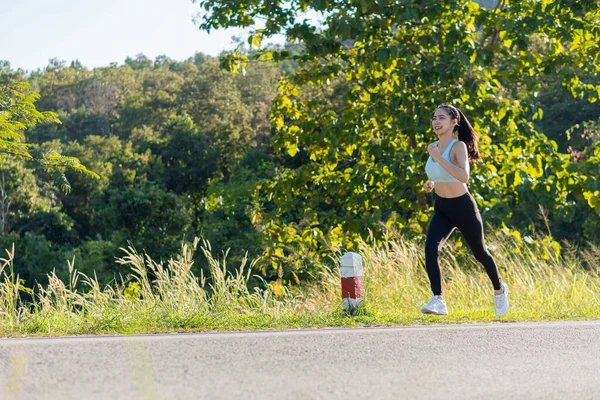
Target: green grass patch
(544, 285)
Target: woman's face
(442, 123)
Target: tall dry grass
(164, 297)
(542, 283)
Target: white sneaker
(435, 306)
(501, 301)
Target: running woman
(448, 172)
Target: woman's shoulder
(459, 145)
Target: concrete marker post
(353, 282)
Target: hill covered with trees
(316, 145)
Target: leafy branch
(18, 113)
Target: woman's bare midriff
(450, 189)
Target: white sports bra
(436, 172)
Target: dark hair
(466, 133)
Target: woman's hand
(434, 152)
(429, 186)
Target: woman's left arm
(461, 170)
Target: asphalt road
(559, 360)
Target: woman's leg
(471, 226)
(440, 229)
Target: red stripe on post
(353, 287)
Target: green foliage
(97, 258)
(159, 134)
(17, 113)
(587, 165)
(153, 219)
(188, 158)
(36, 253)
(353, 121)
(226, 215)
(562, 112)
(185, 149)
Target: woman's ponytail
(466, 133)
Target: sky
(98, 32)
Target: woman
(448, 171)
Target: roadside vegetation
(168, 297)
(283, 157)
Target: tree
(17, 113)
(189, 161)
(361, 164)
(20, 195)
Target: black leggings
(462, 213)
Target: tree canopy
(353, 120)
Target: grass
(543, 286)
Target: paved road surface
(511, 360)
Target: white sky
(98, 32)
